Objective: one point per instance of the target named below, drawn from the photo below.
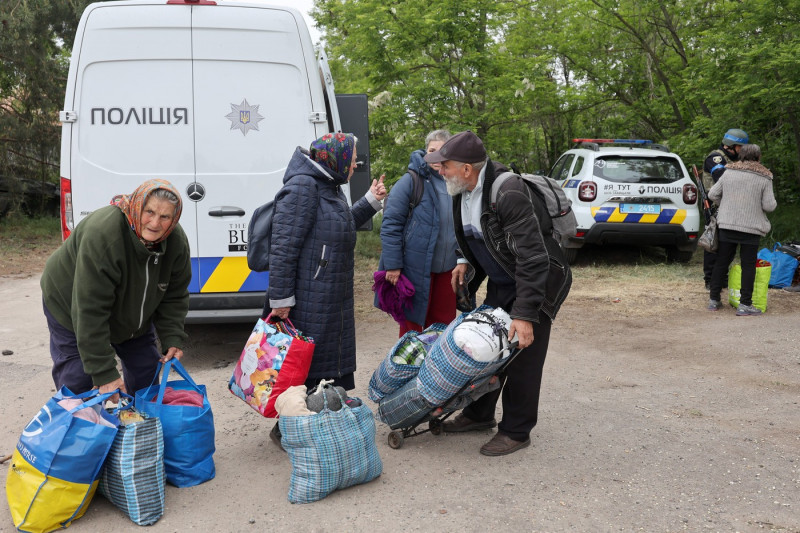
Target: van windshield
(623, 169)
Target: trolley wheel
(435, 426)
(396, 440)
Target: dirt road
(655, 416)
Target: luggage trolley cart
(415, 410)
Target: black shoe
(461, 423)
(275, 436)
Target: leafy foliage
(527, 76)
(35, 41)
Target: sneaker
(714, 305)
(748, 310)
(708, 285)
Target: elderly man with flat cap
(511, 243)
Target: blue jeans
(139, 358)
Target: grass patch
(26, 243)
(18, 234)
(784, 225)
(368, 243)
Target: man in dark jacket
(713, 167)
(511, 244)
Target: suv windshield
(623, 169)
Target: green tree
(759, 90)
(35, 39)
(427, 65)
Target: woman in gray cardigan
(744, 194)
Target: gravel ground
(656, 415)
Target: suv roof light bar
(594, 144)
(617, 141)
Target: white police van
(629, 191)
(213, 96)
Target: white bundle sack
(484, 335)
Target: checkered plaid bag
(330, 450)
(406, 407)
(133, 475)
(448, 368)
(391, 375)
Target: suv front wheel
(678, 256)
(571, 255)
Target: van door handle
(226, 211)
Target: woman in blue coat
(420, 242)
(312, 253)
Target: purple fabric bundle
(393, 299)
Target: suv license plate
(642, 209)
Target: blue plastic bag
(783, 266)
(188, 430)
(55, 468)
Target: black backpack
(417, 190)
(259, 234)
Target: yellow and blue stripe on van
(613, 214)
(225, 274)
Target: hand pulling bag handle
(94, 398)
(172, 364)
(123, 407)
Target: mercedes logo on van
(195, 192)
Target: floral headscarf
(334, 151)
(133, 204)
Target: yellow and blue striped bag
(56, 464)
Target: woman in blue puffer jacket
(312, 253)
(420, 243)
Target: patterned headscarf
(334, 151)
(133, 204)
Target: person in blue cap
(713, 167)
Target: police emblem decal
(244, 117)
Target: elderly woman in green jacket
(119, 279)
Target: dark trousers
(522, 380)
(708, 265)
(139, 358)
(748, 254)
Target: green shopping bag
(760, 286)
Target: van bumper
(225, 307)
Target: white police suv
(629, 191)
